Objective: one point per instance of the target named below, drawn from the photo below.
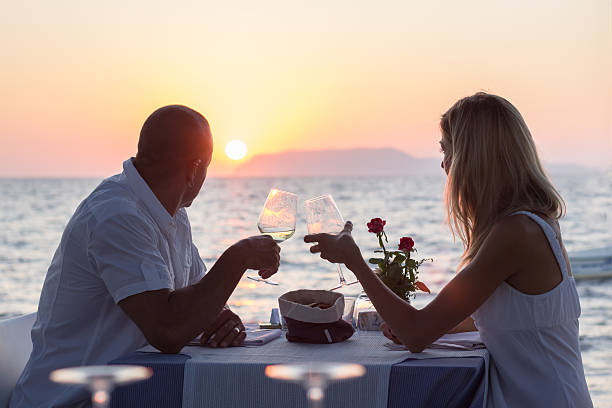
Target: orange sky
(79, 78)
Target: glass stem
(341, 275)
(101, 400)
(100, 394)
(315, 397)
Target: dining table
(234, 377)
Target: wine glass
(315, 376)
(323, 216)
(277, 219)
(101, 379)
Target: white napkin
(454, 341)
(254, 336)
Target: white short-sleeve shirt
(120, 241)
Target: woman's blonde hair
(494, 169)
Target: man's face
(201, 169)
(192, 192)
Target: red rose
(376, 225)
(406, 244)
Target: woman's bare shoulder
(515, 237)
(506, 240)
(516, 229)
(532, 252)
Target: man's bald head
(172, 133)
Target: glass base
(344, 284)
(315, 376)
(260, 279)
(314, 373)
(114, 374)
(101, 379)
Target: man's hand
(260, 253)
(339, 248)
(389, 334)
(226, 330)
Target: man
(126, 271)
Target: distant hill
(349, 162)
(356, 162)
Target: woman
(516, 283)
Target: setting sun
(236, 149)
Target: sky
(78, 79)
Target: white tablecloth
(222, 377)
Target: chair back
(15, 349)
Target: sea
(34, 212)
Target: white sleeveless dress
(533, 341)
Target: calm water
(33, 214)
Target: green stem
(379, 235)
(409, 270)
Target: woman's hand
(339, 248)
(389, 334)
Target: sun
(235, 149)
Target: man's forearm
(195, 307)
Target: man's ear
(193, 171)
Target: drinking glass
(314, 376)
(323, 216)
(277, 219)
(101, 379)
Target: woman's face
(446, 160)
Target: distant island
(352, 162)
(345, 162)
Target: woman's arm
(498, 259)
(466, 325)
